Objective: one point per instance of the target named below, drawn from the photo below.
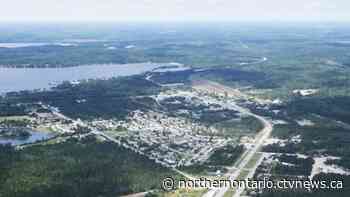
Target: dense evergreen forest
(76, 168)
(112, 98)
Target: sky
(175, 10)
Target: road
(258, 142)
(213, 87)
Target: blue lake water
(35, 137)
(17, 79)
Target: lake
(17, 79)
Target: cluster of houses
(172, 141)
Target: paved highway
(249, 154)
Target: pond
(34, 137)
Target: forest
(112, 98)
(77, 168)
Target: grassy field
(246, 126)
(256, 157)
(14, 118)
(230, 192)
(185, 193)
